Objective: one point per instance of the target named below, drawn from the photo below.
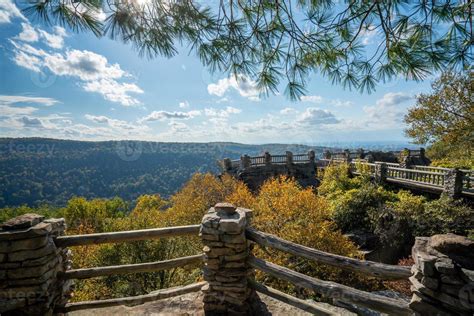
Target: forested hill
(34, 171)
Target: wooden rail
(291, 300)
(379, 270)
(132, 268)
(132, 235)
(333, 290)
(132, 300)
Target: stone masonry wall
(30, 266)
(443, 276)
(304, 173)
(225, 267)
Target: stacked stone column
(453, 183)
(225, 267)
(380, 175)
(30, 266)
(443, 275)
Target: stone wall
(443, 276)
(30, 266)
(225, 267)
(304, 174)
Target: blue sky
(56, 83)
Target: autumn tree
(274, 41)
(444, 118)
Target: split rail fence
(327, 289)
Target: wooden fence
(125, 236)
(327, 289)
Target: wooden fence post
(225, 261)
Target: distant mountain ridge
(36, 171)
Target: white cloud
(55, 40)
(387, 112)
(10, 99)
(367, 35)
(114, 91)
(31, 122)
(312, 98)
(184, 105)
(83, 64)
(94, 70)
(221, 113)
(317, 99)
(287, 111)
(315, 116)
(163, 115)
(9, 111)
(27, 61)
(8, 11)
(119, 124)
(245, 86)
(28, 34)
(393, 98)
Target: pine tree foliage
(273, 42)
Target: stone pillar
(347, 155)
(225, 267)
(268, 158)
(380, 175)
(30, 266)
(244, 162)
(289, 158)
(227, 164)
(452, 186)
(405, 160)
(443, 275)
(311, 156)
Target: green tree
(445, 118)
(273, 40)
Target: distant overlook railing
(426, 178)
(257, 161)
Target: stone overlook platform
(254, 171)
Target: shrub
(290, 212)
(353, 209)
(444, 215)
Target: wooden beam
(132, 235)
(132, 268)
(132, 300)
(379, 270)
(333, 290)
(290, 300)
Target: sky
(60, 84)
